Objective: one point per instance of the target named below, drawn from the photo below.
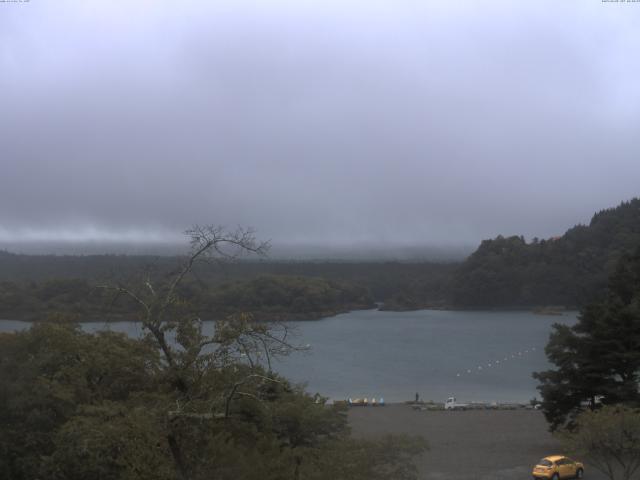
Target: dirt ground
(467, 445)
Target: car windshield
(545, 463)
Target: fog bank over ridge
(333, 126)
(277, 252)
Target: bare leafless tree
(187, 352)
(157, 303)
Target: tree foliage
(597, 359)
(609, 438)
(569, 270)
(286, 297)
(177, 403)
(267, 297)
(52, 370)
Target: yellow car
(556, 467)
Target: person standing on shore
(417, 397)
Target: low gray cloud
(338, 123)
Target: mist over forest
(292, 240)
(326, 126)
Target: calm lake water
(475, 356)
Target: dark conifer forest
(505, 272)
(570, 270)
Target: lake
(475, 356)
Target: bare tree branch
(237, 385)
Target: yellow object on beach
(556, 467)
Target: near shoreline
(466, 445)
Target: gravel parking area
(467, 445)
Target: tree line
(267, 297)
(570, 270)
(177, 403)
(395, 283)
(506, 272)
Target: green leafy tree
(178, 403)
(597, 359)
(609, 438)
(48, 372)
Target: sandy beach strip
(466, 445)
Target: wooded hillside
(569, 270)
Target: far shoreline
(310, 317)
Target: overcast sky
(316, 122)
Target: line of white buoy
(497, 362)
